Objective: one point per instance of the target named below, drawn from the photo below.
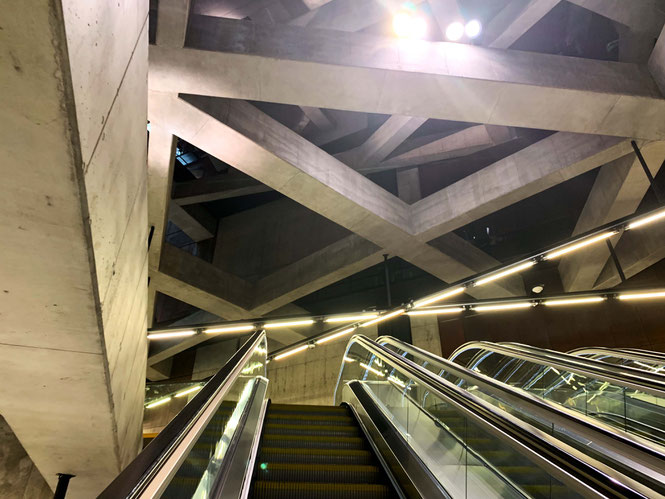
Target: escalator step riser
(312, 409)
(301, 490)
(315, 456)
(313, 442)
(299, 429)
(325, 474)
(310, 420)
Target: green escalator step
(306, 490)
(319, 456)
(314, 441)
(308, 408)
(325, 473)
(305, 429)
(324, 419)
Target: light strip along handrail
(618, 353)
(617, 442)
(134, 478)
(553, 455)
(602, 373)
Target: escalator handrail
(658, 355)
(619, 353)
(564, 417)
(579, 365)
(132, 480)
(557, 458)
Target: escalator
(396, 429)
(651, 362)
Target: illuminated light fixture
(580, 245)
(454, 31)
(505, 273)
(642, 296)
(437, 311)
(371, 369)
(335, 336)
(188, 391)
(348, 359)
(291, 352)
(439, 297)
(382, 318)
(158, 402)
(647, 220)
(473, 28)
(505, 306)
(574, 301)
(408, 25)
(230, 329)
(351, 318)
(174, 334)
(273, 325)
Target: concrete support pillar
(408, 185)
(425, 333)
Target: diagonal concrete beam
(515, 19)
(656, 63)
(214, 188)
(643, 16)
(345, 124)
(462, 143)
(548, 162)
(360, 72)
(617, 192)
(348, 15)
(198, 228)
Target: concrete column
(73, 234)
(408, 185)
(425, 333)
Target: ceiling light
(581, 244)
(455, 31)
(291, 352)
(371, 369)
(506, 306)
(642, 296)
(437, 311)
(473, 28)
(174, 334)
(505, 273)
(158, 402)
(538, 288)
(273, 325)
(439, 297)
(350, 318)
(647, 220)
(188, 391)
(408, 25)
(335, 336)
(230, 329)
(574, 301)
(382, 318)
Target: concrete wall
(309, 377)
(425, 333)
(73, 234)
(19, 477)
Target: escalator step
(303, 429)
(327, 409)
(295, 418)
(315, 456)
(306, 490)
(313, 441)
(324, 473)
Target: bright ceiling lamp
(274, 325)
(188, 391)
(505, 273)
(473, 28)
(158, 402)
(326, 339)
(504, 306)
(382, 318)
(350, 318)
(582, 244)
(642, 296)
(647, 220)
(437, 311)
(455, 31)
(574, 301)
(301, 348)
(174, 334)
(230, 329)
(406, 24)
(438, 297)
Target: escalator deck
(316, 452)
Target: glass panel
(197, 473)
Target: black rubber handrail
(133, 479)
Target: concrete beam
(641, 16)
(462, 143)
(657, 61)
(617, 192)
(345, 124)
(445, 12)
(173, 16)
(408, 185)
(196, 230)
(515, 19)
(215, 188)
(347, 15)
(546, 163)
(317, 117)
(449, 81)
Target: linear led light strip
(334, 336)
(582, 244)
(173, 334)
(642, 296)
(350, 318)
(274, 325)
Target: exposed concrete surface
(75, 253)
(446, 80)
(515, 19)
(19, 477)
(216, 188)
(425, 333)
(657, 62)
